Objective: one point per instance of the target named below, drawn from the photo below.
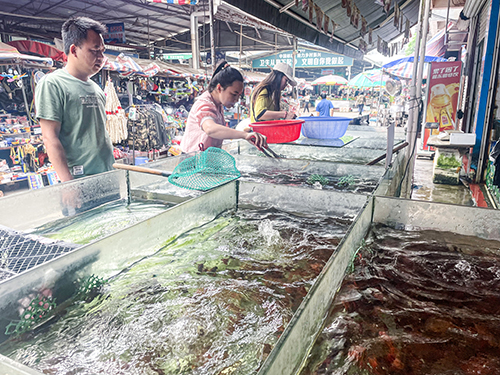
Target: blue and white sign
(115, 34)
(304, 59)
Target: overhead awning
(294, 18)
(128, 66)
(10, 55)
(253, 77)
(40, 49)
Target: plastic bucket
(279, 131)
(141, 160)
(325, 127)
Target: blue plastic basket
(324, 127)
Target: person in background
(360, 102)
(206, 124)
(324, 107)
(266, 97)
(307, 98)
(71, 107)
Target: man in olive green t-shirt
(70, 106)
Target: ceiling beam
(157, 7)
(287, 6)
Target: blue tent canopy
(410, 59)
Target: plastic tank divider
(299, 200)
(10, 367)
(421, 215)
(34, 208)
(113, 253)
(389, 182)
(294, 345)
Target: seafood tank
(301, 173)
(365, 144)
(174, 287)
(207, 286)
(412, 299)
(416, 302)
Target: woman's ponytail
(224, 75)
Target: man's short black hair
(74, 31)
(323, 96)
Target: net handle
(135, 168)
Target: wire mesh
(19, 252)
(205, 170)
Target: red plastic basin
(279, 131)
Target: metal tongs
(270, 153)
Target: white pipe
(194, 42)
(413, 115)
(415, 95)
(418, 84)
(212, 36)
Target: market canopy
(361, 80)
(11, 56)
(410, 59)
(344, 34)
(403, 67)
(330, 80)
(40, 49)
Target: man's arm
(55, 150)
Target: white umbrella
(330, 80)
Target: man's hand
(71, 199)
(55, 150)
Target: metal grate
(20, 252)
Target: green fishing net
(35, 312)
(346, 181)
(205, 170)
(41, 307)
(317, 178)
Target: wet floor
(424, 189)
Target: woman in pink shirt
(205, 124)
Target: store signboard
(177, 56)
(442, 95)
(305, 59)
(115, 34)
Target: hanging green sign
(177, 56)
(305, 59)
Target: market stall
(21, 149)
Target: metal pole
(212, 36)
(195, 64)
(149, 46)
(241, 45)
(25, 98)
(446, 25)
(294, 58)
(415, 97)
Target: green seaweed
(448, 162)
